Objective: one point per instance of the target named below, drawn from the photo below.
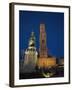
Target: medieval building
(43, 46)
(30, 58)
(44, 60)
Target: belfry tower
(30, 59)
(43, 46)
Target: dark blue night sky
(54, 24)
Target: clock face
(43, 41)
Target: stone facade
(43, 46)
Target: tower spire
(32, 39)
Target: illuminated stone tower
(30, 58)
(43, 46)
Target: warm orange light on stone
(46, 62)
